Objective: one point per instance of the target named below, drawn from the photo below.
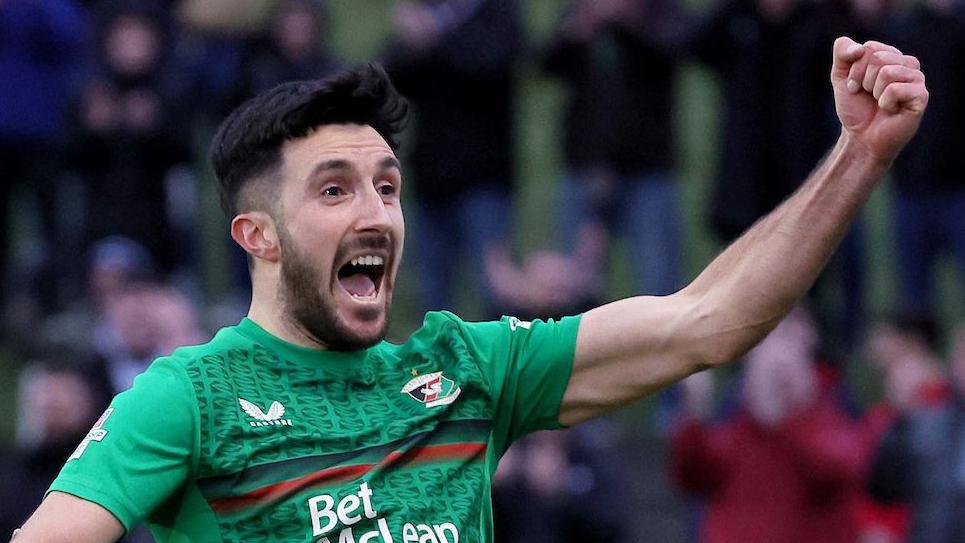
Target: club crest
(432, 389)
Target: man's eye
(334, 190)
(387, 189)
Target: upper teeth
(368, 261)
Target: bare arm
(62, 517)
(632, 347)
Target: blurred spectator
(58, 403)
(115, 263)
(549, 284)
(904, 348)
(921, 460)
(788, 465)
(777, 122)
(455, 61)
(60, 399)
(125, 140)
(618, 59)
(142, 323)
(559, 487)
(899, 349)
(296, 47)
(929, 200)
(210, 46)
(778, 119)
(40, 45)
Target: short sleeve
(528, 365)
(141, 450)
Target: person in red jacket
(788, 464)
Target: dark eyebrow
(339, 164)
(327, 165)
(390, 162)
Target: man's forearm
(756, 281)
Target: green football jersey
(251, 438)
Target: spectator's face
(132, 316)
(779, 378)
(106, 282)
(339, 202)
(176, 320)
(133, 46)
(65, 403)
(297, 32)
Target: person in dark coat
(295, 47)
(921, 460)
(929, 200)
(125, 138)
(775, 122)
(40, 46)
(58, 403)
(618, 60)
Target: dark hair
(248, 143)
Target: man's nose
(373, 214)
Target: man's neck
(279, 325)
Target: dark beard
(313, 313)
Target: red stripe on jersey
(279, 491)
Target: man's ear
(256, 233)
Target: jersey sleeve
(141, 450)
(528, 365)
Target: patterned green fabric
(250, 438)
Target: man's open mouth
(362, 276)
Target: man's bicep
(630, 348)
(62, 517)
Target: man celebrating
(301, 424)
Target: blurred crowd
(106, 108)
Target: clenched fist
(879, 94)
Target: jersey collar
(298, 354)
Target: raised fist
(879, 94)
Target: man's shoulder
(445, 332)
(225, 340)
(444, 325)
(438, 325)
(440, 331)
(438, 319)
